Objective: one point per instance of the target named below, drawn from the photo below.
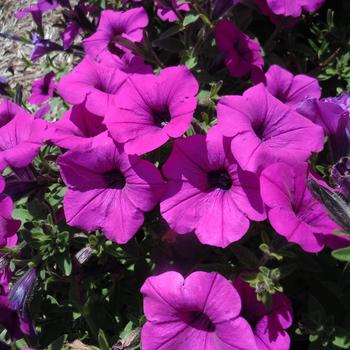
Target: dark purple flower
(333, 116)
(42, 47)
(42, 89)
(269, 324)
(167, 13)
(242, 54)
(341, 175)
(70, 33)
(41, 112)
(4, 86)
(220, 7)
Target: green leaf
(102, 340)
(190, 18)
(58, 343)
(342, 254)
(341, 338)
(64, 262)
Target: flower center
(259, 130)
(5, 118)
(161, 118)
(220, 179)
(199, 320)
(113, 47)
(115, 179)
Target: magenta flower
(242, 54)
(107, 189)
(200, 312)
(290, 8)
(8, 226)
(291, 89)
(293, 211)
(114, 24)
(77, 126)
(69, 34)
(150, 109)
(166, 13)
(8, 110)
(268, 325)
(208, 193)
(91, 83)
(20, 140)
(269, 130)
(42, 89)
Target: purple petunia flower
(103, 44)
(289, 8)
(8, 226)
(91, 83)
(20, 137)
(8, 110)
(107, 189)
(332, 115)
(167, 13)
(269, 324)
(12, 320)
(68, 36)
(34, 11)
(5, 271)
(291, 89)
(77, 126)
(42, 47)
(269, 130)
(150, 109)
(293, 211)
(242, 54)
(200, 312)
(42, 89)
(208, 193)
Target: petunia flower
(107, 189)
(103, 44)
(42, 47)
(8, 110)
(332, 115)
(91, 83)
(42, 89)
(77, 126)
(289, 8)
(291, 89)
(20, 139)
(69, 34)
(292, 210)
(8, 226)
(150, 109)
(269, 130)
(167, 13)
(208, 193)
(242, 54)
(35, 12)
(200, 312)
(269, 324)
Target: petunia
(91, 83)
(20, 139)
(292, 210)
(103, 44)
(42, 89)
(34, 11)
(290, 8)
(77, 126)
(291, 89)
(5, 271)
(242, 54)
(333, 116)
(69, 34)
(8, 110)
(208, 193)
(42, 47)
(269, 130)
(107, 189)
(8, 226)
(169, 13)
(150, 109)
(200, 312)
(269, 324)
